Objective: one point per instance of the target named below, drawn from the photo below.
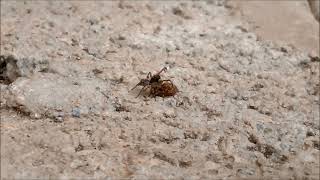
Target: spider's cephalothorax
(155, 78)
(157, 86)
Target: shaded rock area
(315, 8)
(12, 68)
(247, 108)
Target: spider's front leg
(135, 86)
(143, 82)
(163, 69)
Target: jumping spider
(158, 87)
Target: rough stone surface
(48, 94)
(247, 108)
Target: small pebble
(75, 112)
(58, 117)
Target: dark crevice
(8, 69)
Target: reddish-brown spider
(163, 89)
(158, 87)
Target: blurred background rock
(285, 21)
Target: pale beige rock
(284, 22)
(246, 109)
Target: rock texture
(283, 22)
(247, 108)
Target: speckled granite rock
(247, 108)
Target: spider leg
(135, 87)
(154, 96)
(151, 92)
(163, 69)
(141, 90)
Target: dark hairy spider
(158, 87)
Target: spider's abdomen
(165, 89)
